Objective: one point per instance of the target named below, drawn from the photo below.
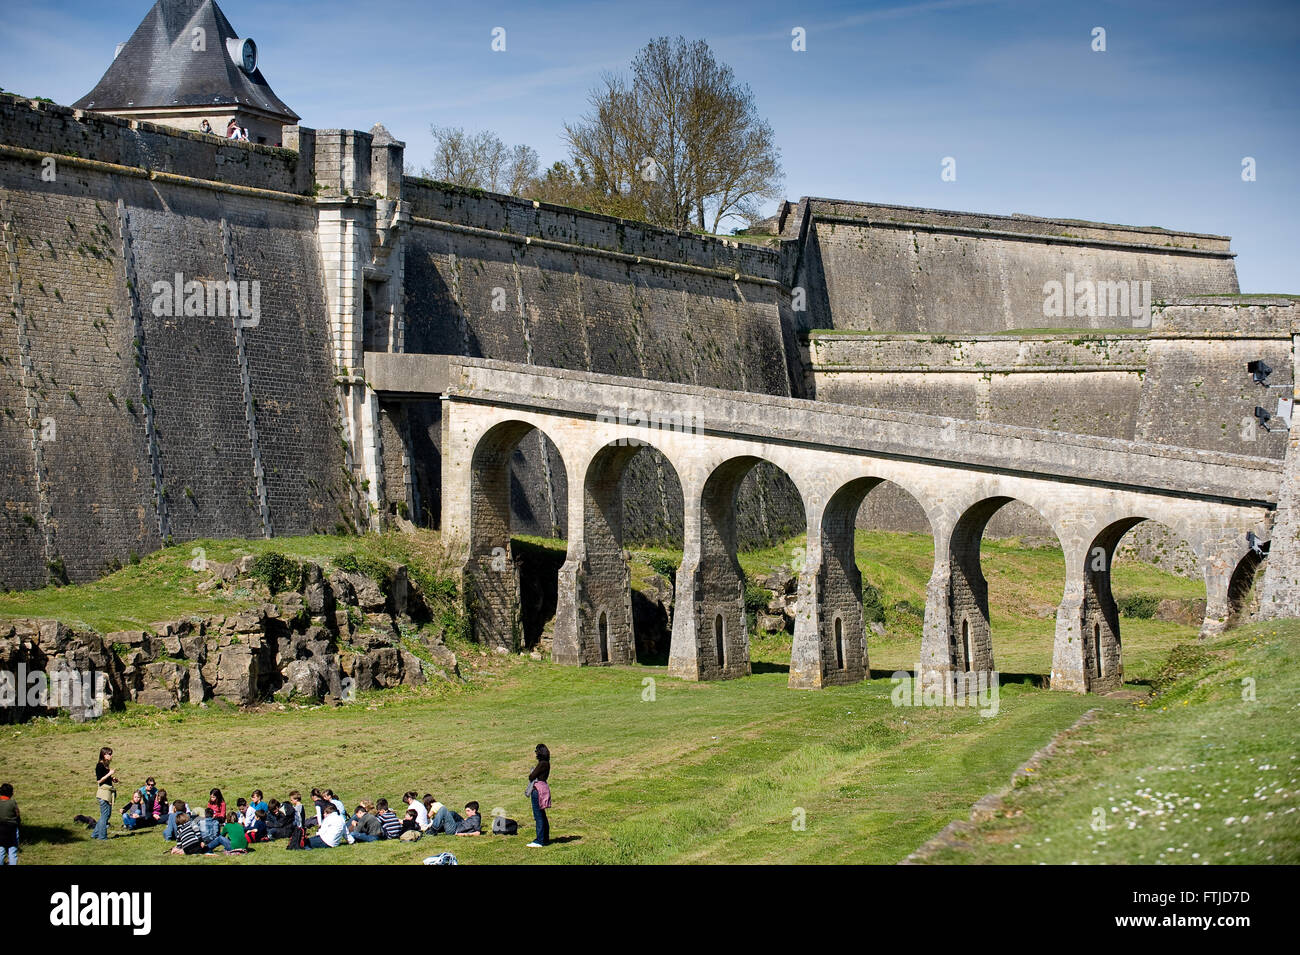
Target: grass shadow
(53, 835)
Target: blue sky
(1150, 132)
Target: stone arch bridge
(1090, 490)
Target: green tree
(681, 137)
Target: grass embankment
(163, 585)
(1204, 772)
(702, 772)
(647, 769)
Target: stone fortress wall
(121, 428)
(944, 312)
(1183, 382)
(499, 277)
(873, 267)
(189, 426)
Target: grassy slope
(1198, 775)
(705, 772)
(162, 585)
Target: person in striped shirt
(188, 840)
(388, 819)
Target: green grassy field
(703, 772)
(1207, 772)
(646, 768)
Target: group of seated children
(220, 828)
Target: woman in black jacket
(539, 791)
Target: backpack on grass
(501, 826)
(297, 838)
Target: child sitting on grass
(295, 806)
(431, 808)
(388, 820)
(178, 807)
(133, 813)
(233, 832)
(333, 830)
(189, 842)
(281, 821)
(318, 800)
(410, 827)
(217, 803)
(472, 825)
(258, 831)
(161, 807)
(210, 827)
(365, 825)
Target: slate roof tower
(185, 63)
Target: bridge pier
(1229, 575)
(830, 646)
(710, 640)
(956, 635)
(593, 615)
(490, 582)
(1086, 653)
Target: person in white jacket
(333, 830)
(414, 803)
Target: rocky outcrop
(336, 634)
(778, 615)
(46, 666)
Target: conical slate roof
(159, 67)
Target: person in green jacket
(234, 831)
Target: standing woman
(105, 791)
(539, 790)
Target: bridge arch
(830, 646)
(958, 635)
(595, 619)
(710, 596)
(1088, 655)
(1241, 585)
(492, 571)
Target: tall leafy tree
(680, 136)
